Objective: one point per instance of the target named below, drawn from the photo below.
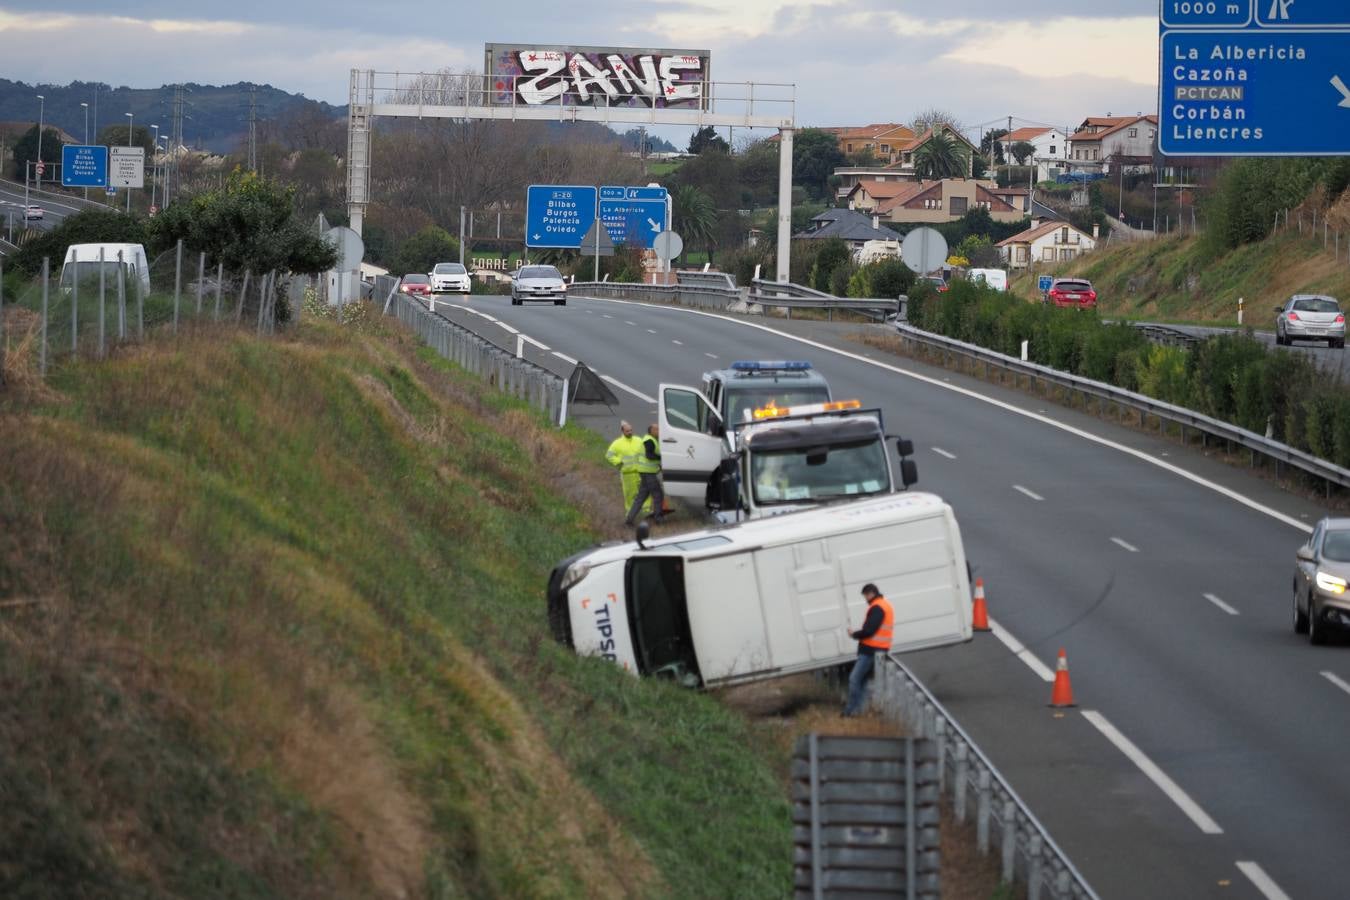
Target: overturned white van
(768, 597)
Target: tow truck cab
(766, 598)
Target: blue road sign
(645, 193)
(1043, 282)
(1254, 78)
(84, 165)
(112, 190)
(558, 215)
(613, 193)
(633, 222)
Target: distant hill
(217, 117)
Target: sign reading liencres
(537, 75)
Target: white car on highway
(538, 283)
(449, 277)
(33, 212)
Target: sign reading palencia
(598, 76)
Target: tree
(815, 156)
(26, 150)
(1022, 150)
(979, 251)
(695, 217)
(934, 118)
(992, 144)
(707, 138)
(423, 250)
(941, 157)
(833, 255)
(757, 172)
(116, 136)
(248, 223)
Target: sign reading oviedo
(535, 75)
(1254, 78)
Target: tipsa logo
(604, 624)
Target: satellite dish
(668, 245)
(351, 249)
(924, 250)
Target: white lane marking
(1221, 605)
(529, 340)
(1263, 882)
(564, 357)
(607, 315)
(626, 322)
(1030, 493)
(710, 355)
(1022, 653)
(1337, 680)
(1007, 407)
(623, 387)
(940, 452)
(1125, 545)
(677, 343)
(1155, 774)
(651, 331)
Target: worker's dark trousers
(649, 485)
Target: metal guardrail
(509, 374)
(1170, 337)
(696, 278)
(1002, 819)
(1282, 454)
(795, 296)
(702, 297)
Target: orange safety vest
(882, 639)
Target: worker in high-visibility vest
(873, 638)
(650, 495)
(623, 454)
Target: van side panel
(725, 617)
(920, 569)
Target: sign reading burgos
(597, 76)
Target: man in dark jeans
(873, 638)
(649, 475)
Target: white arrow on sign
(1345, 91)
(536, 237)
(655, 226)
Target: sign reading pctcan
(126, 167)
(539, 75)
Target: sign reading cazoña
(536, 75)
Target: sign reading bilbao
(536, 75)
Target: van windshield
(660, 619)
(807, 474)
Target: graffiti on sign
(598, 76)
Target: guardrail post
(940, 734)
(983, 809)
(1035, 851)
(42, 352)
(102, 293)
(1009, 844)
(75, 313)
(962, 777)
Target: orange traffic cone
(1062, 693)
(979, 617)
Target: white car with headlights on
(538, 283)
(450, 278)
(1321, 577)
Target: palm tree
(941, 157)
(695, 217)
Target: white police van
(768, 597)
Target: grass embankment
(1176, 278)
(271, 624)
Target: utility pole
(253, 128)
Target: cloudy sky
(852, 61)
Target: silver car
(1310, 317)
(538, 283)
(1321, 576)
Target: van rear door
(691, 442)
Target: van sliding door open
(660, 619)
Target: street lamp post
(154, 168)
(42, 105)
(86, 137)
(131, 121)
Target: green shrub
(1162, 375)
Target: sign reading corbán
(1254, 78)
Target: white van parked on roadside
(767, 597)
(83, 262)
(994, 278)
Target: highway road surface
(1203, 760)
(55, 207)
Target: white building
(1048, 242)
(1102, 143)
(1050, 149)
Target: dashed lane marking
(1028, 492)
(1221, 605)
(1041, 669)
(940, 452)
(1263, 882)
(1124, 545)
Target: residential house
(866, 196)
(1050, 147)
(881, 140)
(943, 200)
(1018, 198)
(902, 169)
(855, 228)
(1104, 144)
(1047, 242)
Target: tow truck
(779, 457)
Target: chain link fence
(90, 306)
